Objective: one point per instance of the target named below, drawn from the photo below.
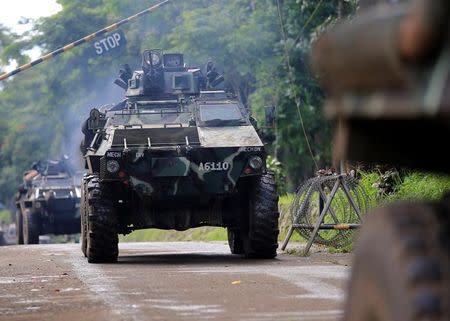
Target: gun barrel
(81, 41)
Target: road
(168, 281)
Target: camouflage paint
(156, 176)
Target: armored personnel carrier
(47, 202)
(175, 154)
(388, 77)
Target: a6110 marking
(214, 166)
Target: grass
(367, 183)
(284, 205)
(421, 187)
(196, 234)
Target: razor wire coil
(306, 205)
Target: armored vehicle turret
(175, 154)
(47, 202)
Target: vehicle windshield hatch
(221, 115)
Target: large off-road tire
(261, 240)
(19, 227)
(102, 239)
(83, 216)
(31, 227)
(235, 241)
(401, 270)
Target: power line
(290, 72)
(313, 14)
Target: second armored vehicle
(47, 202)
(174, 155)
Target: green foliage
(10, 47)
(414, 186)
(285, 221)
(5, 217)
(368, 184)
(421, 187)
(276, 167)
(298, 96)
(239, 35)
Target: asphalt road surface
(168, 281)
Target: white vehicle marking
(214, 166)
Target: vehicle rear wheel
(235, 241)
(102, 238)
(401, 269)
(261, 240)
(19, 227)
(31, 227)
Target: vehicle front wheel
(102, 238)
(261, 240)
(31, 227)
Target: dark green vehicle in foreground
(175, 155)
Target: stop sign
(112, 43)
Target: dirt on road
(168, 281)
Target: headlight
(255, 162)
(112, 166)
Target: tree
(303, 148)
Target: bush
(275, 166)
